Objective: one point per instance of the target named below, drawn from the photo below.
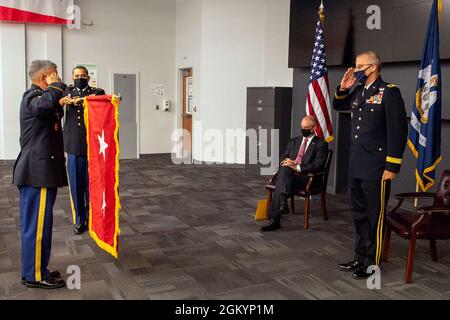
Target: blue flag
(425, 128)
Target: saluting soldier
(76, 146)
(378, 140)
(38, 172)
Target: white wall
(235, 44)
(188, 55)
(232, 56)
(44, 42)
(12, 86)
(230, 45)
(134, 35)
(19, 45)
(276, 70)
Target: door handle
(195, 109)
(259, 109)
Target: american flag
(318, 98)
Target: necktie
(301, 152)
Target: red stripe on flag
(17, 15)
(329, 124)
(322, 103)
(313, 113)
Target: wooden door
(187, 112)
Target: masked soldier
(76, 147)
(378, 140)
(38, 172)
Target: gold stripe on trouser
(74, 218)
(72, 205)
(39, 234)
(380, 223)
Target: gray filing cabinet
(267, 108)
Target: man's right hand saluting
(348, 80)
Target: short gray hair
(37, 67)
(376, 58)
(311, 119)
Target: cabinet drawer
(260, 125)
(261, 114)
(260, 97)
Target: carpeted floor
(188, 232)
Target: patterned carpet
(188, 232)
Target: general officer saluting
(39, 171)
(378, 140)
(76, 147)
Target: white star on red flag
(103, 145)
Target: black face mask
(307, 132)
(81, 83)
(361, 76)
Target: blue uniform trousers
(77, 170)
(36, 222)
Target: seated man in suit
(303, 155)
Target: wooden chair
(431, 223)
(316, 184)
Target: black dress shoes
(53, 274)
(274, 225)
(350, 266)
(80, 228)
(361, 273)
(50, 283)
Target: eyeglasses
(360, 66)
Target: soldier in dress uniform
(378, 140)
(38, 172)
(76, 147)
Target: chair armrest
(315, 174)
(433, 209)
(273, 178)
(414, 195)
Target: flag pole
(321, 11)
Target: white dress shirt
(82, 90)
(367, 87)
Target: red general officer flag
(101, 115)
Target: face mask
(81, 83)
(306, 132)
(361, 76)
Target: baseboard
(7, 162)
